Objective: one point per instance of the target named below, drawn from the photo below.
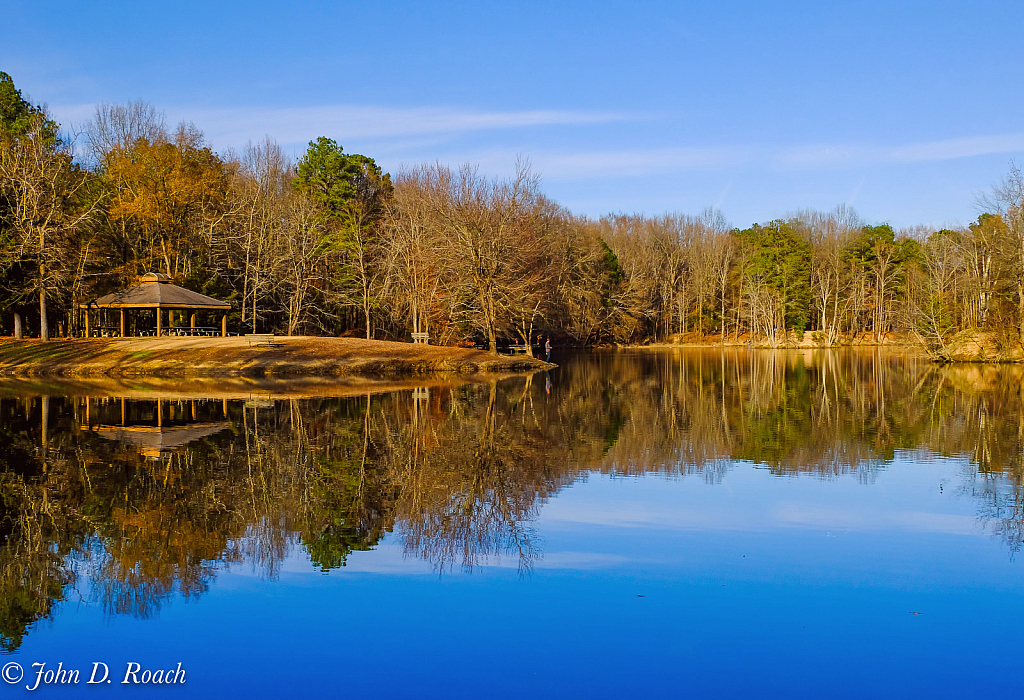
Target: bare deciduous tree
(41, 185)
(1007, 200)
(481, 223)
(116, 126)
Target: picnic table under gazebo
(156, 292)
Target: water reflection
(155, 428)
(129, 498)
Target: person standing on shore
(547, 349)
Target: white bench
(421, 338)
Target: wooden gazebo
(156, 292)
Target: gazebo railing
(197, 331)
(104, 331)
(115, 332)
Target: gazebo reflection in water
(154, 293)
(156, 427)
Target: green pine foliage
(782, 259)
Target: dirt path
(234, 357)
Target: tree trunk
(366, 315)
(1020, 308)
(44, 326)
(19, 333)
(487, 308)
(722, 341)
(492, 339)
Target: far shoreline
(967, 346)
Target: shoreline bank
(288, 356)
(966, 346)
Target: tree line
(331, 244)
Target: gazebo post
(122, 323)
(224, 326)
(159, 322)
(87, 334)
(192, 322)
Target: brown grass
(233, 357)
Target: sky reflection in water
(659, 524)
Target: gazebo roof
(153, 441)
(156, 291)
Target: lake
(692, 523)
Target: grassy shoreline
(234, 357)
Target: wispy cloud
(640, 162)
(814, 156)
(643, 162)
(958, 148)
(427, 133)
(595, 164)
(236, 125)
(856, 191)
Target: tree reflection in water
(130, 503)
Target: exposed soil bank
(967, 346)
(233, 357)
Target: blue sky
(904, 110)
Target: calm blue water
(685, 525)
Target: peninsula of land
(240, 357)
